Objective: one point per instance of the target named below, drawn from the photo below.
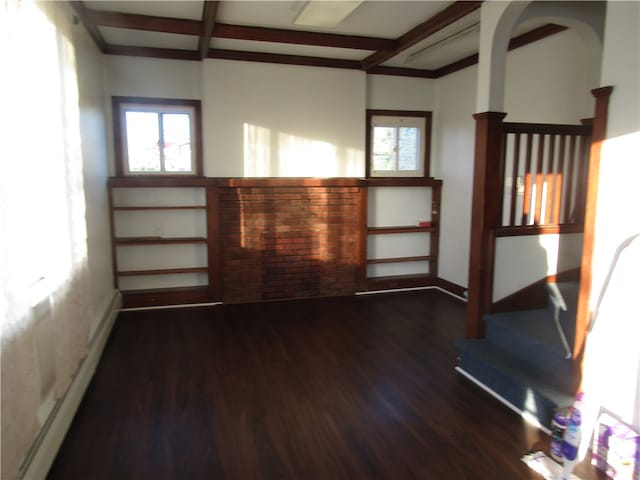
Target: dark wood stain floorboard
(338, 388)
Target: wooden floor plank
(352, 387)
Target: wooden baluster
(514, 180)
(538, 208)
(559, 179)
(568, 197)
(550, 177)
(526, 200)
(581, 178)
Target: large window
(398, 143)
(156, 136)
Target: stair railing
(544, 176)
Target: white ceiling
(373, 18)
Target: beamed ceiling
(409, 38)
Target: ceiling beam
(84, 14)
(402, 72)
(298, 37)
(440, 20)
(145, 22)
(283, 59)
(152, 52)
(209, 12)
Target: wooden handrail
(544, 173)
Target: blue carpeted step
(533, 390)
(531, 335)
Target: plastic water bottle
(572, 436)
(558, 427)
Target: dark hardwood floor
(354, 387)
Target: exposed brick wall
(288, 242)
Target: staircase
(523, 358)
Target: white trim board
(413, 289)
(45, 448)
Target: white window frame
(398, 122)
(397, 119)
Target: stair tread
(556, 384)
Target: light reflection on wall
(268, 153)
(257, 151)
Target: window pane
(409, 148)
(177, 142)
(384, 148)
(143, 151)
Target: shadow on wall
(268, 153)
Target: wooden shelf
(399, 229)
(401, 281)
(422, 258)
(403, 182)
(178, 207)
(158, 240)
(166, 296)
(165, 271)
(151, 181)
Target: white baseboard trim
(412, 289)
(45, 448)
(526, 416)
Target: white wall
(93, 129)
(282, 120)
(385, 92)
(56, 226)
(544, 83)
(153, 77)
(452, 162)
(547, 81)
(543, 255)
(612, 358)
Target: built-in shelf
(167, 207)
(158, 240)
(399, 229)
(164, 271)
(385, 282)
(150, 211)
(421, 258)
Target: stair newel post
(599, 134)
(485, 216)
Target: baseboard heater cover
(45, 448)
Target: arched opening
(530, 190)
